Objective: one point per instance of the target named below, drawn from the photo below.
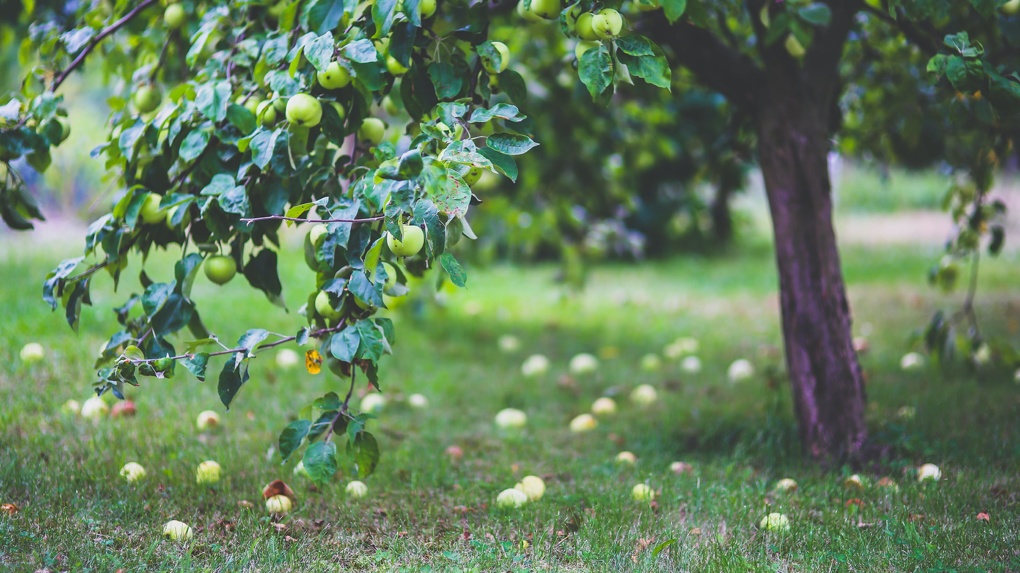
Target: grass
(868, 189)
(425, 513)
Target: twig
(297, 220)
(264, 346)
(343, 408)
(160, 61)
(95, 42)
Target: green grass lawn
(427, 513)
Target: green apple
(427, 8)
(504, 59)
(32, 352)
(409, 244)
(147, 98)
(391, 276)
(607, 23)
(528, 15)
(511, 498)
(1010, 8)
(132, 472)
(317, 234)
(65, 128)
(390, 106)
(794, 47)
(547, 9)
(626, 458)
(150, 212)
(265, 113)
(357, 489)
(279, 504)
(641, 492)
(372, 130)
(171, 213)
(473, 175)
(395, 67)
(280, 103)
(304, 110)
(511, 418)
(324, 306)
(207, 420)
(583, 46)
(583, 423)
(174, 16)
(532, 486)
(339, 109)
(220, 268)
(775, 522)
(333, 77)
(208, 472)
(251, 103)
(573, 13)
(583, 27)
(177, 531)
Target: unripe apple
(583, 46)
(372, 130)
(528, 15)
(208, 472)
(651, 362)
(427, 8)
(279, 505)
(583, 423)
(511, 499)
(147, 98)
(150, 211)
(418, 401)
(132, 472)
(32, 352)
(94, 408)
(287, 359)
(65, 128)
(251, 103)
(265, 114)
(174, 16)
(304, 110)
(220, 269)
(785, 485)
(171, 213)
(547, 9)
(504, 59)
(71, 407)
(626, 458)
(317, 234)
(854, 482)
(642, 492)
(509, 343)
(583, 364)
(373, 403)
(1011, 8)
(775, 522)
(412, 241)
(207, 420)
(691, 365)
(607, 23)
(177, 531)
(357, 489)
(333, 77)
(794, 47)
(929, 472)
(509, 418)
(324, 306)
(394, 66)
(391, 276)
(389, 105)
(911, 361)
(603, 407)
(535, 365)
(473, 175)
(532, 486)
(584, 29)
(740, 370)
(644, 395)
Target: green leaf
(261, 272)
(674, 9)
(362, 52)
(382, 14)
(241, 118)
(817, 14)
(372, 347)
(324, 421)
(446, 79)
(291, 436)
(500, 110)
(263, 145)
(197, 364)
(320, 462)
(663, 546)
(364, 289)
(230, 382)
(321, 16)
(212, 100)
(503, 163)
(453, 268)
(364, 450)
(194, 144)
(320, 51)
(454, 196)
(330, 401)
(511, 143)
(596, 70)
(645, 60)
(344, 344)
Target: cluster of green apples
(590, 27)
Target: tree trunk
(722, 221)
(828, 389)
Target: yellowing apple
(333, 77)
(644, 395)
(32, 352)
(357, 489)
(785, 485)
(409, 244)
(739, 370)
(177, 531)
(504, 59)
(532, 486)
(94, 408)
(583, 423)
(583, 364)
(607, 23)
(511, 498)
(626, 458)
(642, 492)
(1011, 8)
(929, 472)
(208, 472)
(509, 418)
(794, 47)
(207, 420)
(775, 522)
(603, 407)
(417, 401)
(132, 472)
(535, 365)
(279, 505)
(304, 110)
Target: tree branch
(314, 334)
(911, 32)
(95, 42)
(821, 63)
(298, 220)
(718, 66)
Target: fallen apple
(287, 359)
(124, 409)
(71, 407)
(929, 472)
(373, 403)
(911, 361)
(511, 498)
(627, 458)
(644, 395)
(511, 418)
(132, 472)
(583, 423)
(94, 408)
(642, 492)
(854, 482)
(207, 420)
(775, 522)
(32, 352)
(532, 486)
(357, 489)
(279, 505)
(603, 407)
(208, 472)
(583, 364)
(535, 365)
(741, 369)
(177, 530)
(691, 365)
(418, 401)
(455, 453)
(509, 343)
(681, 468)
(651, 362)
(785, 485)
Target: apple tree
(236, 118)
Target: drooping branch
(821, 63)
(63, 75)
(717, 65)
(299, 220)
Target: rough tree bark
(792, 102)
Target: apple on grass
(535, 365)
(626, 458)
(207, 420)
(32, 352)
(94, 408)
(510, 418)
(373, 403)
(603, 407)
(912, 361)
(418, 401)
(651, 362)
(691, 365)
(287, 359)
(644, 395)
(509, 343)
(775, 522)
(132, 472)
(177, 531)
(511, 499)
(785, 485)
(123, 409)
(642, 492)
(583, 423)
(532, 486)
(929, 472)
(357, 489)
(583, 364)
(741, 369)
(71, 407)
(208, 472)
(681, 468)
(279, 505)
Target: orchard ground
(426, 512)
